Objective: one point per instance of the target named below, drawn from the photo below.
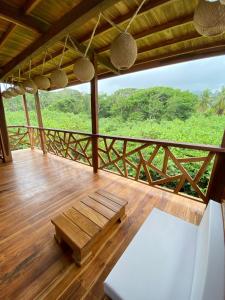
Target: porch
(36, 187)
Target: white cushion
(209, 277)
(159, 262)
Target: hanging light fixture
(42, 82)
(123, 51)
(83, 68)
(58, 78)
(209, 17)
(29, 85)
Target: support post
(4, 138)
(94, 117)
(216, 188)
(26, 112)
(40, 122)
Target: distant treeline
(158, 103)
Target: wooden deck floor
(33, 189)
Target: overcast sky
(195, 76)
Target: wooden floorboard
(34, 189)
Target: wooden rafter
(124, 18)
(75, 17)
(13, 15)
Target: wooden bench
(87, 221)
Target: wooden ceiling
(163, 29)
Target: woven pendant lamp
(6, 95)
(84, 69)
(30, 87)
(12, 92)
(42, 82)
(59, 79)
(123, 51)
(20, 89)
(209, 18)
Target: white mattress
(147, 272)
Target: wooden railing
(176, 167)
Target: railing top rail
(201, 147)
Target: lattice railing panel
(180, 170)
(74, 146)
(18, 138)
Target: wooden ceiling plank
(6, 34)
(75, 17)
(14, 15)
(121, 19)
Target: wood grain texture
(35, 188)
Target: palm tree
(205, 101)
(219, 106)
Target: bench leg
(81, 259)
(58, 237)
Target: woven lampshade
(11, 92)
(20, 89)
(30, 87)
(209, 18)
(6, 95)
(84, 69)
(59, 79)
(123, 51)
(42, 82)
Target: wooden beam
(124, 18)
(40, 122)
(4, 139)
(94, 117)
(178, 57)
(77, 16)
(216, 188)
(30, 5)
(14, 15)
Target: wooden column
(216, 188)
(26, 112)
(40, 122)
(4, 139)
(94, 117)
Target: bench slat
(106, 202)
(103, 210)
(120, 201)
(82, 221)
(91, 214)
(72, 231)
